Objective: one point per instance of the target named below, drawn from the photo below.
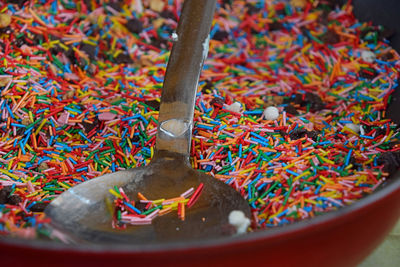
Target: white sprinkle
(368, 56)
(271, 113)
(239, 220)
(235, 107)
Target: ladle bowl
(81, 213)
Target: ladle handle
(182, 75)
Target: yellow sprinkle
(129, 143)
(86, 41)
(247, 170)
(33, 194)
(63, 46)
(10, 164)
(112, 192)
(390, 135)
(63, 185)
(262, 202)
(133, 159)
(327, 160)
(306, 48)
(158, 201)
(324, 153)
(301, 175)
(325, 179)
(117, 53)
(9, 174)
(288, 166)
(40, 126)
(174, 205)
(30, 115)
(349, 166)
(310, 201)
(113, 44)
(29, 147)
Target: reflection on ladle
(174, 127)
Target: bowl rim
(267, 234)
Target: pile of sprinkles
(127, 211)
(290, 109)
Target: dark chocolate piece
(355, 164)
(217, 101)
(123, 58)
(4, 194)
(88, 127)
(135, 139)
(159, 42)
(291, 110)
(23, 215)
(390, 161)
(153, 103)
(134, 26)
(335, 3)
(37, 38)
(88, 4)
(6, 30)
(300, 133)
(281, 12)
(38, 207)
(70, 54)
(116, 5)
(386, 34)
(166, 14)
(367, 74)
(380, 131)
(20, 41)
(330, 37)
(220, 35)
(89, 50)
(226, 3)
(252, 9)
(275, 26)
(207, 87)
(20, 3)
(311, 99)
(20, 131)
(387, 56)
(14, 200)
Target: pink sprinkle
(107, 116)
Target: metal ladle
(81, 212)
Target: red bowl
(339, 238)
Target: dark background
(387, 14)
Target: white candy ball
(271, 113)
(239, 221)
(235, 107)
(368, 56)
